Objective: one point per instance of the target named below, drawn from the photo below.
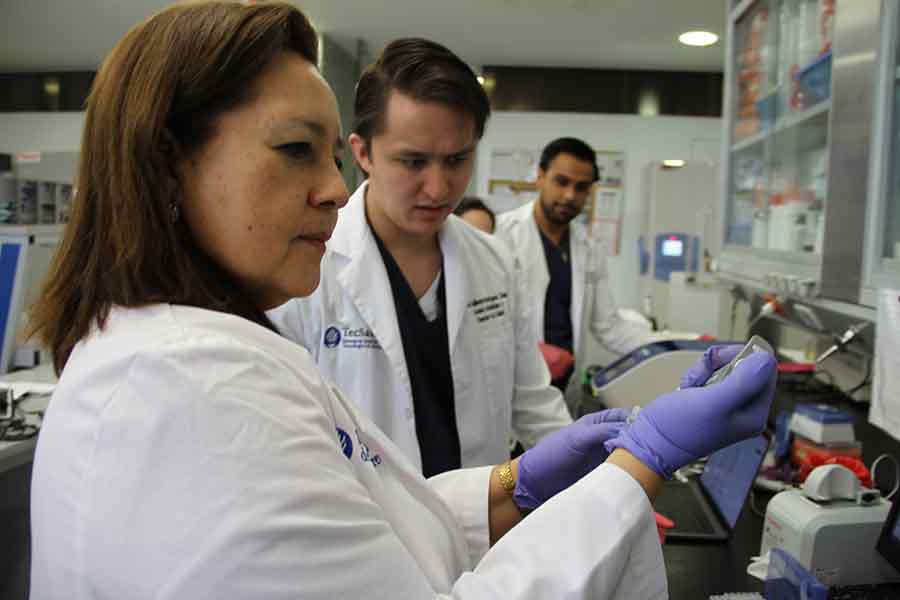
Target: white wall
(40, 131)
(643, 139)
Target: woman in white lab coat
(189, 451)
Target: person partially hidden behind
(475, 212)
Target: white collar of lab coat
(362, 271)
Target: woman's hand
(681, 426)
(565, 456)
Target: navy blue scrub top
(427, 351)
(558, 303)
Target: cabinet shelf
(751, 141)
(789, 123)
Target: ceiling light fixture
(673, 163)
(698, 38)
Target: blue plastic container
(815, 80)
(767, 109)
(786, 579)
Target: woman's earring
(174, 212)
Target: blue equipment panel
(671, 253)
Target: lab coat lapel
(578, 252)
(364, 277)
(456, 281)
(537, 269)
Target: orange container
(807, 452)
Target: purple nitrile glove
(681, 426)
(565, 456)
(712, 360)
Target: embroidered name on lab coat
(488, 307)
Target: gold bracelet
(504, 473)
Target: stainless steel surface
(879, 272)
(728, 84)
(853, 78)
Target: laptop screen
(729, 473)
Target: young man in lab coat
(564, 267)
(419, 318)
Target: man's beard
(554, 217)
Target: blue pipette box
(786, 579)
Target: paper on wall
(607, 231)
(885, 409)
(607, 204)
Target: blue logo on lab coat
(332, 337)
(346, 442)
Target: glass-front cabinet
(883, 228)
(781, 100)
(780, 127)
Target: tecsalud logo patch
(332, 337)
(346, 442)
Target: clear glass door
(779, 156)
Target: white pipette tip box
(822, 423)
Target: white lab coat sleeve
(300, 320)
(617, 334)
(597, 539)
(465, 491)
(538, 408)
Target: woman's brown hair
(158, 94)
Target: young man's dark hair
(568, 145)
(426, 72)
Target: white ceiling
(76, 34)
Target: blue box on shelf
(767, 109)
(786, 579)
(815, 80)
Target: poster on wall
(607, 203)
(610, 168)
(511, 178)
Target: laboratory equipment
(679, 229)
(35, 203)
(822, 423)
(805, 452)
(698, 303)
(841, 342)
(889, 540)
(708, 507)
(831, 527)
(643, 374)
(786, 579)
(25, 255)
